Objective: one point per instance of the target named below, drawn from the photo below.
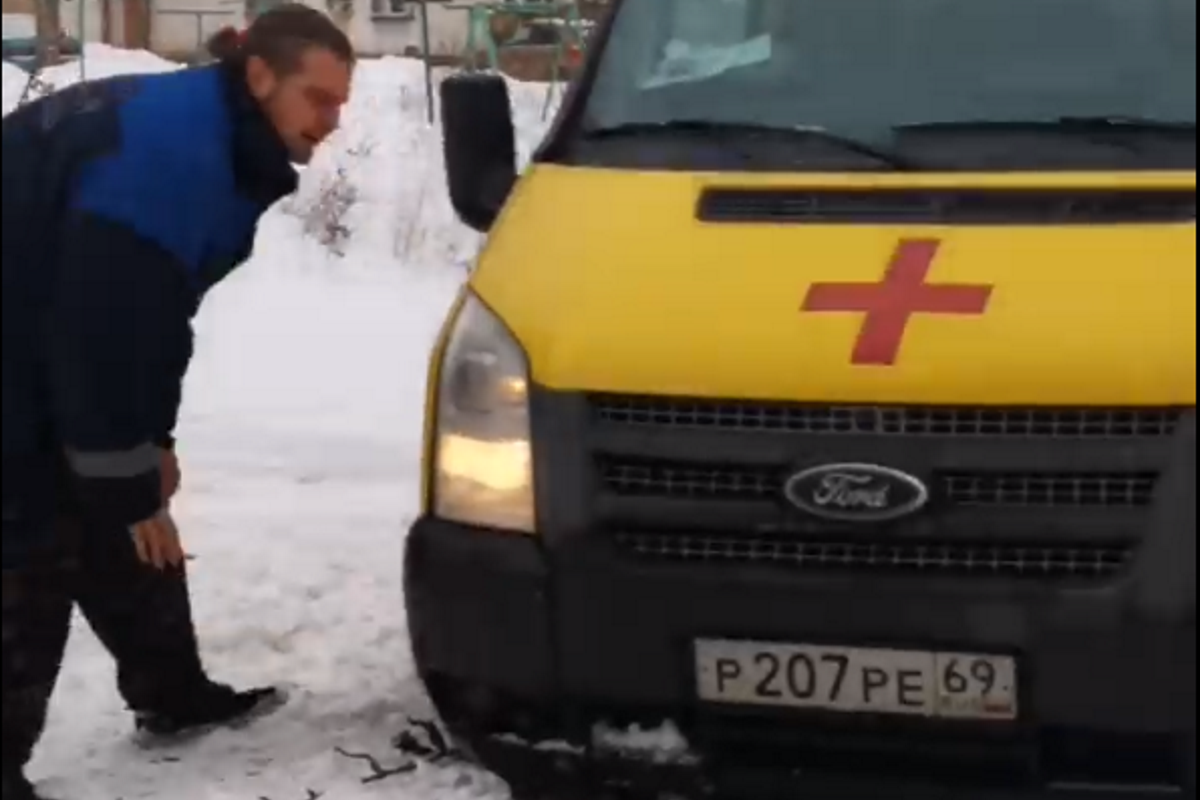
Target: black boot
(213, 705)
(17, 787)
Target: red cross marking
(888, 306)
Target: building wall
(181, 27)
(131, 25)
(83, 19)
(393, 33)
(19, 6)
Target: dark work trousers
(142, 615)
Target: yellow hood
(611, 284)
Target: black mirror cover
(479, 146)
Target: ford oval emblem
(856, 492)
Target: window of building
(391, 9)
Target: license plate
(852, 680)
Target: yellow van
(819, 420)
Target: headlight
(483, 463)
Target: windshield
(865, 68)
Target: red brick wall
(19, 6)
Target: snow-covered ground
(300, 446)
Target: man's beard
(302, 154)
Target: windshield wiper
(713, 128)
(1132, 124)
(1068, 125)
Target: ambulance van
(819, 419)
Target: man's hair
(281, 36)
(224, 43)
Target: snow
(300, 447)
(665, 744)
(15, 79)
(99, 61)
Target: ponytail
(225, 44)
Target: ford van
(819, 418)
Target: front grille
(1054, 490)
(990, 560)
(1013, 492)
(885, 420)
(644, 478)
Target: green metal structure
(563, 15)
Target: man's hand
(171, 476)
(157, 541)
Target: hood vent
(947, 206)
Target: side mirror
(479, 145)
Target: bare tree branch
(312, 795)
(378, 773)
(437, 748)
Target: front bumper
(519, 640)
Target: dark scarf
(261, 164)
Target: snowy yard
(300, 448)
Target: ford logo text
(856, 492)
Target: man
(125, 200)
